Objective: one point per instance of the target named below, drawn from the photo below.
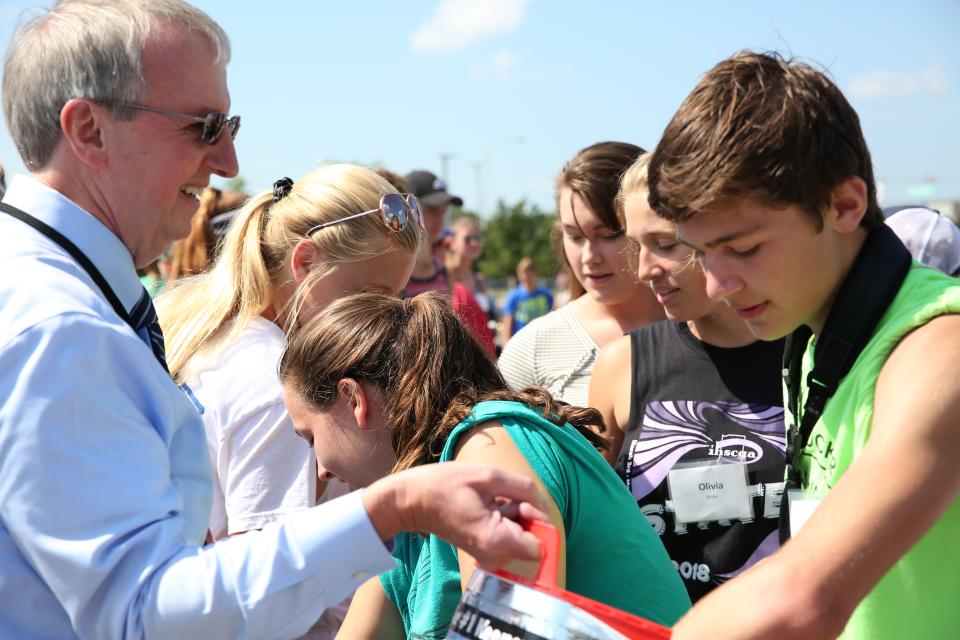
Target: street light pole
(478, 176)
(445, 166)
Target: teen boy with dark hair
(766, 172)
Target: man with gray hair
(118, 109)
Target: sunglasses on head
(396, 210)
(213, 124)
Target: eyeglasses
(396, 210)
(214, 123)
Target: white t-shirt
(262, 469)
(555, 352)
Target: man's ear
(848, 204)
(83, 124)
(305, 255)
(358, 401)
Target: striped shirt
(555, 352)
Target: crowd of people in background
(305, 411)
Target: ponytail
(428, 368)
(194, 312)
(251, 275)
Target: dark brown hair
(593, 174)
(760, 126)
(430, 371)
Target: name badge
(707, 490)
(801, 505)
(772, 496)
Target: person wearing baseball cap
(429, 273)
(430, 189)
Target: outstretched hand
(473, 507)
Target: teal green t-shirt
(920, 594)
(613, 554)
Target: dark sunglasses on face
(396, 210)
(213, 124)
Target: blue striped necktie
(144, 318)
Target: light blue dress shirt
(105, 484)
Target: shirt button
(361, 575)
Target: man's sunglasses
(213, 124)
(396, 210)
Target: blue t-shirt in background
(525, 305)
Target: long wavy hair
(203, 310)
(430, 371)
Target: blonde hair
(249, 269)
(634, 179)
(464, 222)
(453, 258)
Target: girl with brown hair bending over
(377, 385)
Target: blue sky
(510, 89)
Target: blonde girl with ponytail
(378, 385)
(225, 329)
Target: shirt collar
(104, 249)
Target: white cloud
(883, 83)
(498, 66)
(456, 24)
(505, 65)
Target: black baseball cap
(430, 189)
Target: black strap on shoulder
(864, 297)
(77, 254)
(871, 285)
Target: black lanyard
(77, 254)
(871, 285)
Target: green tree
(515, 231)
